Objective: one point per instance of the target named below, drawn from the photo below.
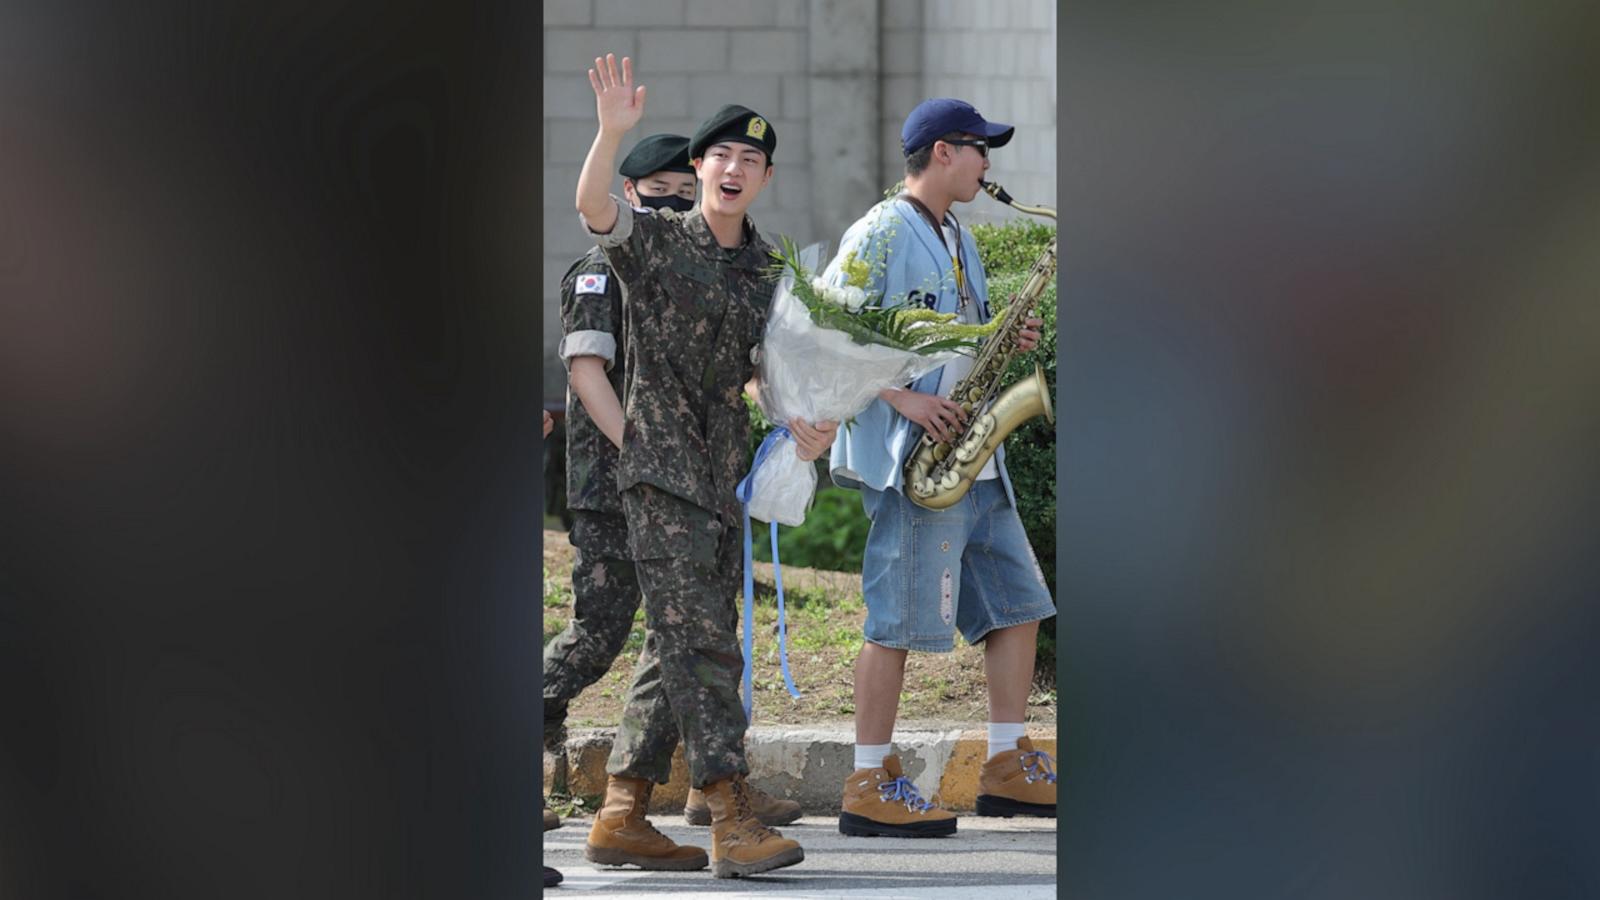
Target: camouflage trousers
(689, 563)
(605, 593)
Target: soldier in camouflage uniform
(694, 308)
(604, 588)
(656, 175)
(605, 591)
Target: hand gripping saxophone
(938, 474)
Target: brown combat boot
(1020, 782)
(769, 809)
(551, 820)
(622, 836)
(740, 844)
(882, 802)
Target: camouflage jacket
(694, 314)
(591, 325)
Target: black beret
(735, 123)
(657, 153)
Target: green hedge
(1009, 252)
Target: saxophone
(937, 474)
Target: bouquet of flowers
(830, 347)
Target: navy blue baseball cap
(933, 119)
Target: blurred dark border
(269, 449)
(1327, 401)
(268, 440)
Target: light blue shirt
(916, 266)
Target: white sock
(870, 756)
(1003, 736)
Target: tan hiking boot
(740, 844)
(769, 809)
(883, 802)
(622, 836)
(551, 820)
(1020, 782)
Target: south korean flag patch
(591, 283)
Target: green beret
(657, 153)
(735, 123)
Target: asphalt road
(1016, 856)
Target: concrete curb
(808, 765)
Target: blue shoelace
(901, 790)
(1033, 761)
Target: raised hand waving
(618, 104)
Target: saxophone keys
(950, 480)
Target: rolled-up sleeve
(625, 244)
(589, 343)
(620, 231)
(590, 320)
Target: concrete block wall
(900, 47)
(786, 58)
(1000, 56)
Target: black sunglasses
(980, 143)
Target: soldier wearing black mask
(657, 174)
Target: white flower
(821, 286)
(854, 298)
(833, 295)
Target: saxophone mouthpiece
(995, 191)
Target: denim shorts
(927, 573)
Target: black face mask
(670, 201)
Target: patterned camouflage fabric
(689, 569)
(591, 457)
(605, 593)
(693, 315)
(605, 587)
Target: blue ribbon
(744, 491)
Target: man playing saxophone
(925, 572)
